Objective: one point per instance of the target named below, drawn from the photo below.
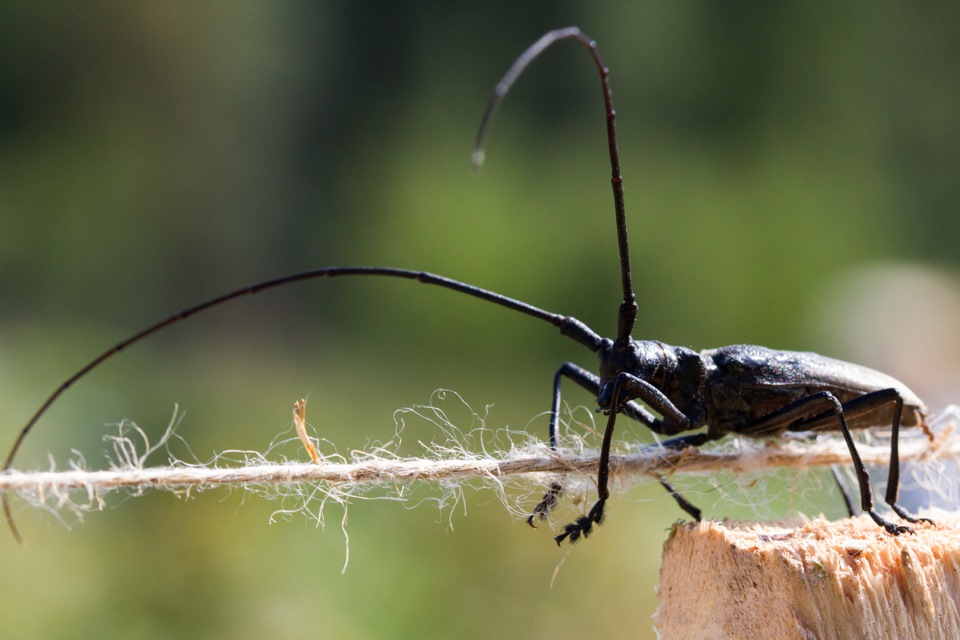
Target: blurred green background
(153, 155)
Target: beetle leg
(866, 498)
(844, 490)
(814, 408)
(630, 387)
(685, 504)
(893, 475)
(591, 383)
(584, 525)
(632, 410)
(678, 444)
(682, 442)
(865, 404)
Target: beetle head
(648, 360)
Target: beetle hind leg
(849, 502)
(893, 476)
(818, 409)
(870, 402)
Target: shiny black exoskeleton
(742, 389)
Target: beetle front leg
(627, 387)
(584, 525)
(591, 383)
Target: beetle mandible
(747, 390)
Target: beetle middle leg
(685, 504)
(844, 490)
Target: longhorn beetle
(748, 390)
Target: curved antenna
(628, 308)
(568, 326)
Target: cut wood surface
(810, 580)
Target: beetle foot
(583, 526)
(893, 529)
(549, 502)
(909, 517)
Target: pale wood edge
(814, 579)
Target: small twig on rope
(300, 423)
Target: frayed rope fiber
(462, 457)
(650, 461)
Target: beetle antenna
(568, 326)
(628, 308)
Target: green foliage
(152, 155)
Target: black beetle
(742, 389)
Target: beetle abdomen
(749, 382)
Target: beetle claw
(891, 528)
(583, 527)
(909, 517)
(546, 505)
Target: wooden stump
(819, 579)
